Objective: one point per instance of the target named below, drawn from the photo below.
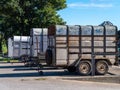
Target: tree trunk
(0, 46)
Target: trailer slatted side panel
(39, 41)
(70, 42)
(21, 46)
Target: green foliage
(4, 47)
(17, 17)
(8, 60)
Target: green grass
(41, 79)
(7, 60)
(4, 47)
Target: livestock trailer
(79, 48)
(38, 44)
(10, 47)
(18, 46)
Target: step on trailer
(82, 49)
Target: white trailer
(38, 42)
(18, 46)
(10, 47)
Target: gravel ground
(9, 70)
(113, 76)
(53, 84)
(17, 77)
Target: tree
(17, 17)
(22, 15)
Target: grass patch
(41, 79)
(24, 79)
(8, 60)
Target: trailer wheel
(71, 69)
(48, 57)
(24, 58)
(84, 68)
(101, 67)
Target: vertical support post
(80, 40)
(104, 35)
(93, 64)
(68, 61)
(117, 42)
(42, 40)
(20, 48)
(92, 54)
(55, 48)
(37, 44)
(28, 40)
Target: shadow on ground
(4, 67)
(22, 71)
(36, 74)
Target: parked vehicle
(82, 49)
(38, 44)
(18, 47)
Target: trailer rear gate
(21, 46)
(69, 42)
(38, 41)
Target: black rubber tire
(48, 57)
(24, 58)
(101, 67)
(84, 68)
(71, 69)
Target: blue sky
(91, 12)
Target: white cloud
(90, 5)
